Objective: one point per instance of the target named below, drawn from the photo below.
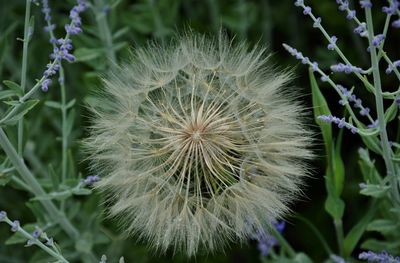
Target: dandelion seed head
(195, 140)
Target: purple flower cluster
(267, 241)
(382, 257)
(344, 6)
(352, 98)
(365, 4)
(377, 40)
(91, 179)
(15, 225)
(392, 8)
(361, 29)
(332, 43)
(346, 68)
(3, 215)
(390, 68)
(62, 46)
(341, 123)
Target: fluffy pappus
(198, 143)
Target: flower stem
(38, 242)
(282, 241)
(339, 235)
(36, 188)
(23, 71)
(105, 33)
(387, 152)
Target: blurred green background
(131, 24)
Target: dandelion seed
(196, 141)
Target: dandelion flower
(198, 143)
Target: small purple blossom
(346, 68)
(396, 23)
(392, 66)
(307, 10)
(361, 29)
(45, 85)
(15, 226)
(373, 125)
(91, 179)
(362, 185)
(314, 66)
(397, 100)
(377, 40)
(36, 233)
(352, 98)
(382, 257)
(351, 14)
(266, 241)
(365, 4)
(332, 43)
(3, 215)
(341, 123)
(392, 8)
(49, 242)
(324, 78)
(317, 22)
(343, 4)
(299, 3)
(337, 259)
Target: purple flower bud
(15, 226)
(324, 78)
(351, 14)
(360, 29)
(396, 23)
(317, 22)
(45, 85)
(381, 257)
(3, 215)
(36, 233)
(314, 66)
(307, 10)
(378, 40)
(91, 179)
(299, 3)
(332, 43)
(366, 4)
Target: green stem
(23, 71)
(37, 189)
(339, 235)
(283, 243)
(316, 232)
(38, 242)
(105, 33)
(387, 152)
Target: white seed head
(198, 144)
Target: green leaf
(333, 204)
(377, 245)
(53, 104)
(31, 27)
(4, 179)
(86, 54)
(81, 191)
(368, 168)
(13, 86)
(383, 226)
(338, 166)
(375, 190)
(53, 195)
(70, 122)
(353, 237)
(7, 94)
(372, 142)
(391, 112)
(70, 103)
(18, 238)
(21, 110)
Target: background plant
(53, 124)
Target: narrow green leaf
(18, 238)
(377, 245)
(81, 191)
(368, 168)
(391, 112)
(4, 179)
(70, 122)
(31, 27)
(353, 237)
(53, 104)
(22, 109)
(333, 204)
(13, 86)
(372, 142)
(7, 94)
(383, 226)
(70, 103)
(338, 166)
(374, 190)
(86, 54)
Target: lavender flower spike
(341, 123)
(383, 257)
(365, 4)
(378, 40)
